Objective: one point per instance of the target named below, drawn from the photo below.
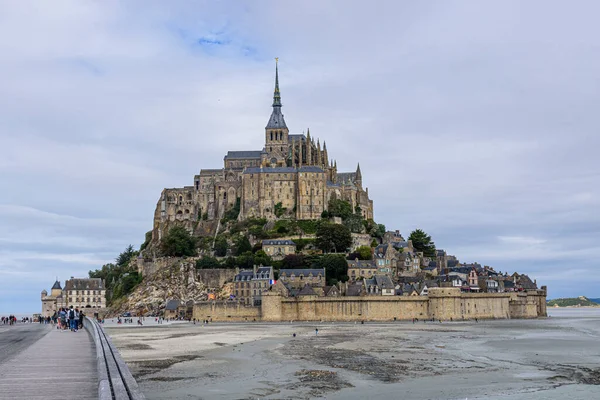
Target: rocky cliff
(175, 279)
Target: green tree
(292, 261)
(362, 253)
(178, 243)
(339, 208)
(233, 212)
(336, 267)
(333, 237)
(125, 256)
(207, 262)
(422, 242)
(279, 209)
(242, 244)
(221, 246)
(354, 222)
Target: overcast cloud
(475, 121)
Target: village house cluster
(395, 269)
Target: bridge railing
(115, 381)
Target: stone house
(278, 249)
(248, 285)
(173, 309)
(86, 293)
(361, 269)
(386, 259)
(331, 291)
(53, 302)
(379, 285)
(300, 277)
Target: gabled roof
(172, 305)
(302, 271)
(306, 291)
(84, 284)
(253, 154)
(383, 281)
(346, 178)
(354, 290)
(364, 264)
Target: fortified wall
(441, 303)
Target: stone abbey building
(292, 172)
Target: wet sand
(553, 358)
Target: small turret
(358, 176)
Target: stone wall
(225, 311)
(215, 278)
(441, 303)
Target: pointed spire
(324, 145)
(308, 134)
(276, 121)
(276, 94)
(318, 145)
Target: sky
(474, 121)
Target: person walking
(72, 319)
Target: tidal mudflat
(552, 358)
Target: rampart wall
(441, 303)
(225, 311)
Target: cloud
(474, 122)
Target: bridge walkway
(59, 366)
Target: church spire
(276, 94)
(276, 121)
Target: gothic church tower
(276, 131)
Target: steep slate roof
(366, 264)
(526, 282)
(306, 291)
(383, 281)
(381, 250)
(172, 305)
(296, 137)
(243, 154)
(400, 244)
(278, 242)
(248, 274)
(245, 275)
(302, 271)
(354, 290)
(346, 178)
(56, 285)
(84, 284)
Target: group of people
(68, 318)
(10, 320)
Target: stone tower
(276, 131)
(56, 289)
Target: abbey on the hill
(291, 173)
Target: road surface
(16, 338)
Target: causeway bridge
(40, 362)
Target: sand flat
(549, 358)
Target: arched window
(271, 135)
